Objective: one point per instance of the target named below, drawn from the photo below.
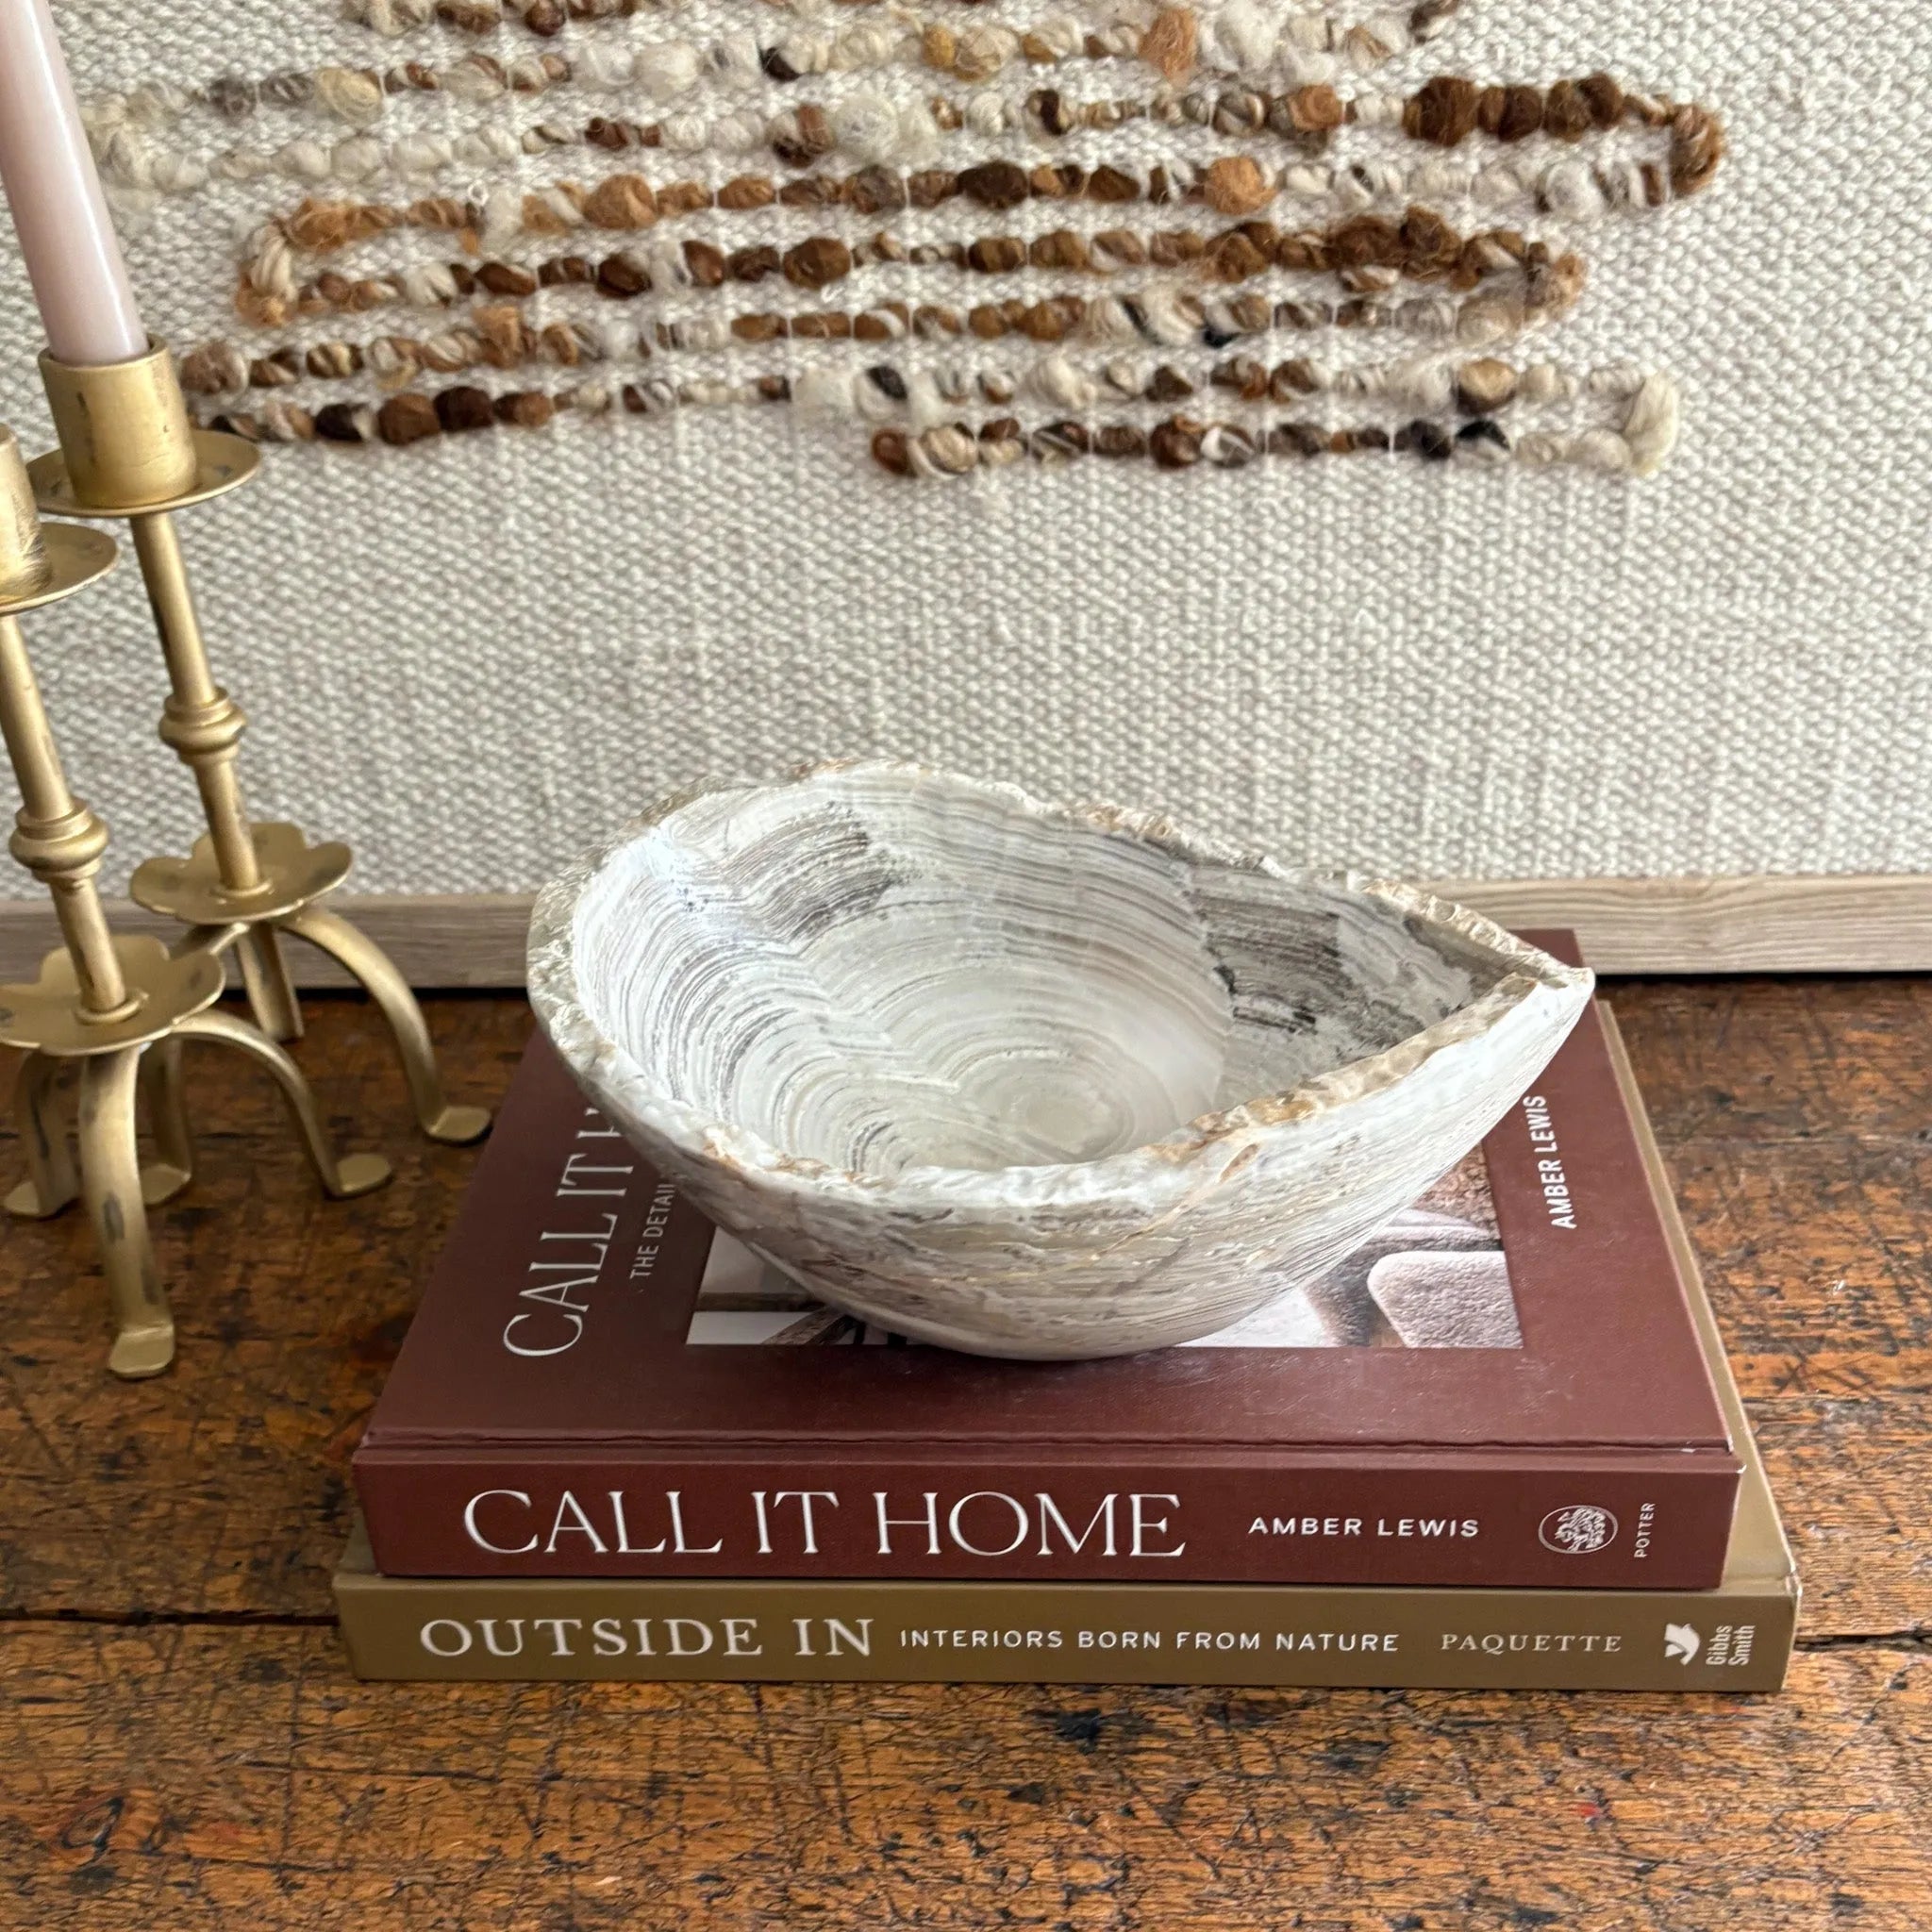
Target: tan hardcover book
(1735, 1638)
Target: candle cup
(118, 1007)
(125, 439)
(129, 450)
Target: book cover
(1502, 1388)
(1735, 1638)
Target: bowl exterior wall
(1197, 1243)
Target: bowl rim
(1173, 1162)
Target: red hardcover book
(1505, 1386)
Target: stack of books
(1498, 1446)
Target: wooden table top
(183, 1746)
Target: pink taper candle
(73, 259)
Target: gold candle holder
(121, 1008)
(127, 450)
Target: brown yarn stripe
(548, 18)
(411, 416)
(1361, 254)
(626, 203)
(506, 341)
(1176, 442)
(1053, 318)
(1445, 111)
(1442, 113)
(1485, 385)
(544, 18)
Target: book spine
(1568, 1524)
(1739, 1640)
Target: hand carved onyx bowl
(1026, 1079)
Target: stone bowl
(1025, 1079)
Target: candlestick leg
(369, 963)
(40, 1110)
(343, 1179)
(167, 1120)
(111, 1181)
(265, 980)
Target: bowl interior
(879, 971)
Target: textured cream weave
(470, 655)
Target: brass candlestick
(127, 450)
(119, 1007)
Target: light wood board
(1870, 923)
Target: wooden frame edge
(1854, 922)
(1772, 923)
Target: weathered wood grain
(1796, 1119)
(216, 1766)
(219, 1487)
(189, 1777)
(1790, 1060)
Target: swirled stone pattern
(1024, 1079)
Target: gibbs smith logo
(1682, 1642)
(1578, 1530)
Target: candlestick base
(162, 990)
(45, 1020)
(292, 873)
(125, 1057)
